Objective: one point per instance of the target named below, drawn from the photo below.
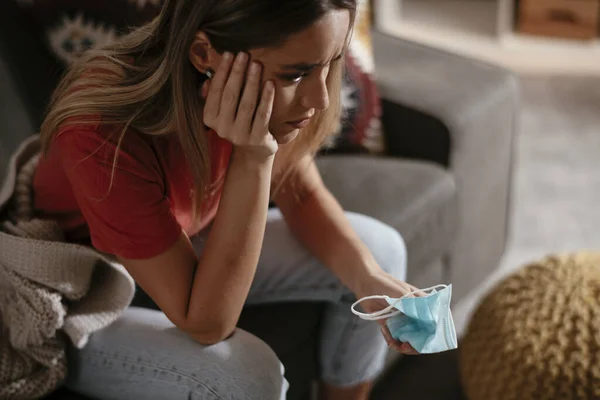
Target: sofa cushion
(416, 198)
(15, 123)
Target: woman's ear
(202, 55)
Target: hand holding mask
(424, 322)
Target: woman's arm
(205, 297)
(318, 221)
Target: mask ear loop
(440, 286)
(386, 312)
(381, 314)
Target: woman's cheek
(284, 99)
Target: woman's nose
(316, 95)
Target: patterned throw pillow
(360, 130)
(71, 27)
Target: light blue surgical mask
(424, 322)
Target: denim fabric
(144, 356)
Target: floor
(557, 180)
(555, 209)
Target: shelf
(483, 29)
(461, 18)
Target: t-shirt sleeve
(123, 199)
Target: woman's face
(299, 70)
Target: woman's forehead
(318, 44)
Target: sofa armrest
(410, 133)
(28, 74)
(29, 65)
(460, 113)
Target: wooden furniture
(489, 30)
(573, 19)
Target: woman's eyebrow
(306, 67)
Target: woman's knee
(256, 372)
(242, 367)
(144, 355)
(385, 243)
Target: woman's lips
(299, 124)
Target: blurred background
(553, 48)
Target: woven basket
(536, 336)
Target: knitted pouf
(536, 336)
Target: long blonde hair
(145, 79)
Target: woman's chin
(286, 137)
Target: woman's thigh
(287, 271)
(144, 356)
(352, 350)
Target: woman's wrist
(360, 275)
(252, 158)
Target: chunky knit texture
(536, 336)
(50, 291)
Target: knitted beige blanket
(50, 291)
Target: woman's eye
(294, 78)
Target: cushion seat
(417, 198)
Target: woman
(165, 151)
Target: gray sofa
(444, 183)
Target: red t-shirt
(143, 211)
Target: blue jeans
(143, 355)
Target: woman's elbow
(211, 336)
(208, 332)
(201, 331)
